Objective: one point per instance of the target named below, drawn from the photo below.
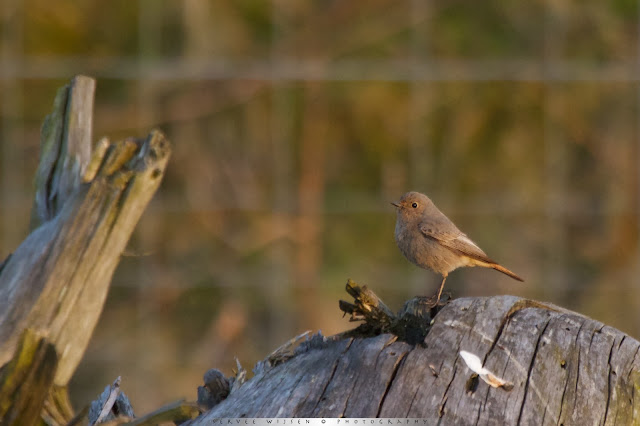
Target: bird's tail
(505, 271)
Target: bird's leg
(444, 278)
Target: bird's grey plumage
(427, 238)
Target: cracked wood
(566, 369)
(56, 281)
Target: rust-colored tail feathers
(505, 271)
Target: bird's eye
(414, 205)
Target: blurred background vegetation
(295, 123)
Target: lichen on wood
(25, 380)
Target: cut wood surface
(85, 209)
(565, 369)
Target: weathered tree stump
(564, 368)
(86, 206)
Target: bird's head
(413, 205)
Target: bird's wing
(449, 236)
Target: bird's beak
(396, 205)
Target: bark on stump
(565, 369)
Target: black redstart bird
(427, 238)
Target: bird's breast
(426, 252)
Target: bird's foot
(440, 302)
